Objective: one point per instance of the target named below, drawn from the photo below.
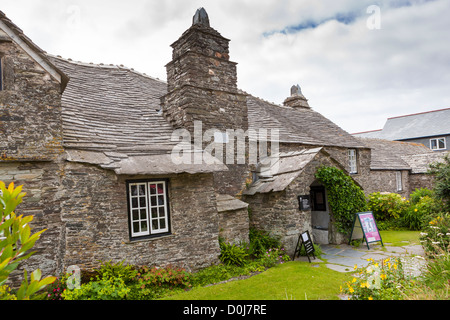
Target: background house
(432, 129)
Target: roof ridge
(103, 65)
(418, 113)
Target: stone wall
(31, 149)
(94, 211)
(420, 180)
(30, 109)
(386, 181)
(41, 182)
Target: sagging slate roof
(279, 170)
(111, 118)
(113, 109)
(391, 155)
(298, 125)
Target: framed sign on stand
(304, 240)
(365, 227)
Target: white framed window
(438, 144)
(352, 161)
(398, 180)
(148, 208)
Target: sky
(358, 62)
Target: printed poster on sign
(365, 227)
(369, 226)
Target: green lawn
(288, 281)
(400, 238)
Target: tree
(16, 242)
(441, 172)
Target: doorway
(320, 214)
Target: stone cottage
(94, 146)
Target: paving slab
(344, 257)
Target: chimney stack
(297, 99)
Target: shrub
(435, 238)
(109, 270)
(273, 257)
(420, 193)
(102, 289)
(344, 196)
(441, 172)
(231, 254)
(421, 212)
(383, 280)
(386, 206)
(156, 282)
(55, 290)
(15, 243)
(261, 241)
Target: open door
(320, 214)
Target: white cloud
(355, 76)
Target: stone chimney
(202, 87)
(297, 99)
(202, 81)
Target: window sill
(150, 238)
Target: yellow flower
(353, 280)
(370, 298)
(355, 267)
(395, 266)
(415, 210)
(383, 276)
(364, 285)
(389, 265)
(351, 290)
(376, 265)
(340, 289)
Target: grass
(289, 281)
(400, 238)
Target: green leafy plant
(441, 172)
(344, 196)
(232, 254)
(110, 270)
(16, 241)
(435, 238)
(102, 289)
(273, 257)
(157, 282)
(55, 289)
(418, 194)
(380, 280)
(421, 212)
(387, 206)
(261, 241)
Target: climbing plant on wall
(345, 197)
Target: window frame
(399, 181)
(150, 233)
(352, 163)
(437, 143)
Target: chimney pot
(297, 99)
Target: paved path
(343, 257)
